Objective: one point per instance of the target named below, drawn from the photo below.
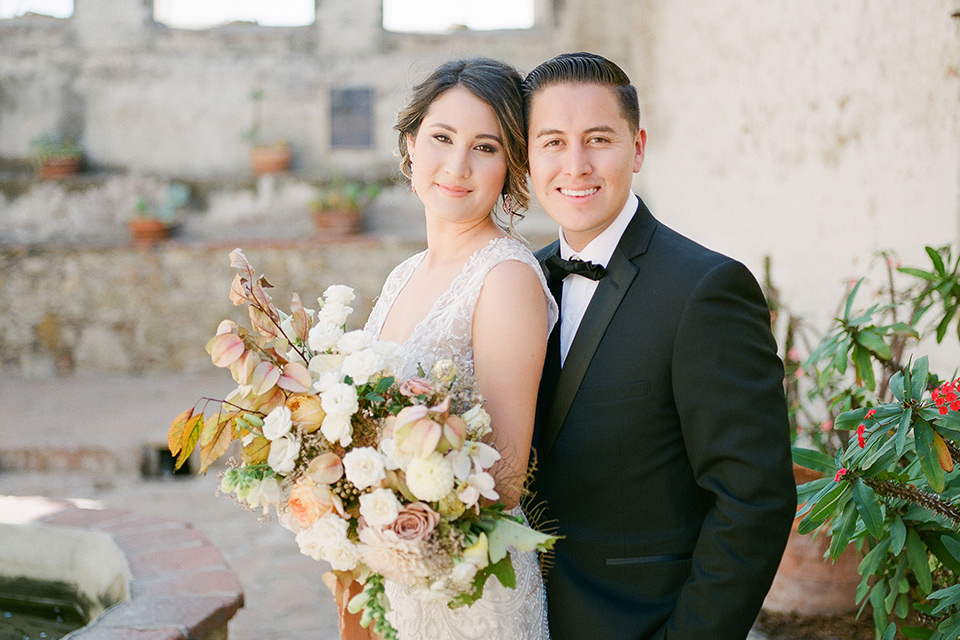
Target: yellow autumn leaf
(175, 435)
(191, 436)
(216, 438)
(257, 451)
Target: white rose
(364, 467)
(342, 557)
(338, 294)
(340, 400)
(330, 530)
(354, 341)
(327, 380)
(333, 313)
(430, 478)
(462, 574)
(361, 366)
(277, 423)
(283, 454)
(323, 336)
(380, 507)
(337, 429)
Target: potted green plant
(56, 156)
(892, 489)
(265, 158)
(153, 222)
(337, 208)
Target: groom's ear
(639, 148)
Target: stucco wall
(814, 132)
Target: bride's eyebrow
(479, 136)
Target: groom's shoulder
(678, 252)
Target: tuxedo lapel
(620, 273)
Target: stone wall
(140, 310)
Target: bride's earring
(508, 207)
(413, 187)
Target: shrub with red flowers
(893, 491)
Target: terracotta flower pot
(806, 583)
(59, 167)
(337, 223)
(272, 159)
(147, 232)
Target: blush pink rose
(415, 522)
(416, 386)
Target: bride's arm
(509, 345)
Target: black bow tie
(560, 268)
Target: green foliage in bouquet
(892, 487)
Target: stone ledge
(182, 589)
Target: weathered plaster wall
(814, 132)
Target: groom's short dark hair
(586, 68)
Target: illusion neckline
(416, 262)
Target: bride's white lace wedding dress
(445, 333)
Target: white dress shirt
(577, 290)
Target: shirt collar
(600, 249)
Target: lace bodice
(446, 330)
(445, 333)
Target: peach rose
(305, 410)
(416, 521)
(309, 502)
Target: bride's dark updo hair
(499, 86)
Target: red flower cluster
(860, 439)
(840, 473)
(946, 397)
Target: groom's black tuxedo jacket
(663, 455)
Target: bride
(476, 296)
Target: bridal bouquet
(379, 477)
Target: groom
(663, 447)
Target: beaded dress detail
(446, 333)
